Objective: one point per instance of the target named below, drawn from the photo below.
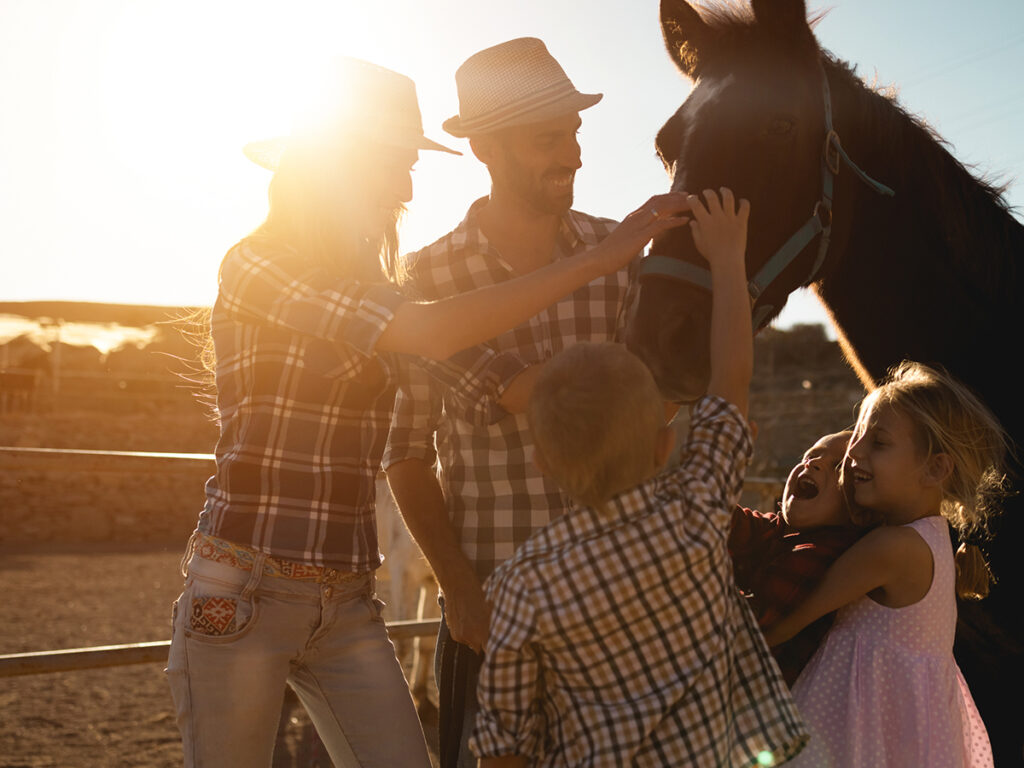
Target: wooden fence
(42, 662)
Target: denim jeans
(241, 636)
(456, 670)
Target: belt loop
(190, 549)
(255, 576)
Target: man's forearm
(421, 502)
(423, 508)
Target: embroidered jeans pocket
(214, 615)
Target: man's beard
(535, 193)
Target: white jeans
(327, 641)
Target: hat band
(532, 103)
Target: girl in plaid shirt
(309, 338)
(617, 635)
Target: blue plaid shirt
(620, 638)
(305, 406)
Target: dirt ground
(111, 718)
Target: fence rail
(98, 657)
(64, 459)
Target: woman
(311, 341)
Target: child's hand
(719, 227)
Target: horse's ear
(686, 35)
(787, 18)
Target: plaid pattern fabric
(776, 570)
(620, 638)
(496, 497)
(305, 406)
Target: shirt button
(328, 591)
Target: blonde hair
(314, 208)
(948, 418)
(595, 414)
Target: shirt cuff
(489, 739)
(397, 453)
(474, 395)
(374, 313)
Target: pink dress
(883, 690)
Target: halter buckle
(823, 212)
(832, 156)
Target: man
(520, 113)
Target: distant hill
(92, 312)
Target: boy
(778, 559)
(617, 634)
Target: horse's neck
(929, 268)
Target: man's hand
(659, 214)
(468, 615)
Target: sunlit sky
(121, 172)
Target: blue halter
(820, 222)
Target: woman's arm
(438, 329)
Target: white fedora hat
(513, 83)
(367, 101)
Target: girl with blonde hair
(884, 689)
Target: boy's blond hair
(596, 414)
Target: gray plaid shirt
(620, 638)
(496, 497)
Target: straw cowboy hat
(513, 83)
(367, 101)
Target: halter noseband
(820, 222)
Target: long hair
(315, 210)
(948, 418)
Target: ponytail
(973, 577)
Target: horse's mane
(912, 158)
(973, 206)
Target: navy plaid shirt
(620, 638)
(305, 406)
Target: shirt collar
(570, 231)
(581, 522)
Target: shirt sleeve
(277, 289)
(474, 380)
(414, 420)
(511, 716)
(715, 456)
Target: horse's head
(754, 122)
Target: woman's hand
(659, 214)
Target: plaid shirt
(777, 568)
(620, 638)
(305, 406)
(496, 497)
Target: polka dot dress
(883, 691)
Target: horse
(912, 256)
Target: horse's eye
(779, 126)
